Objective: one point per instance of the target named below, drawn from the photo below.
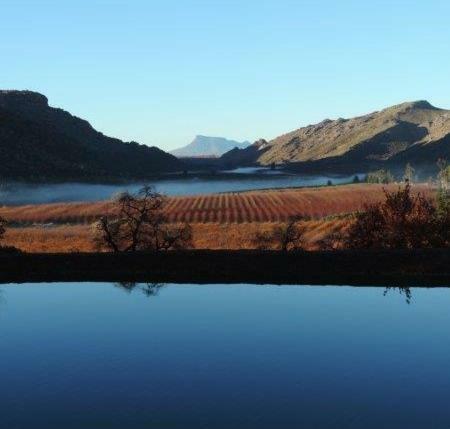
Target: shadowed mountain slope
(39, 142)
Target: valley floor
(233, 236)
(220, 221)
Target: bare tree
(286, 237)
(138, 222)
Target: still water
(69, 192)
(223, 356)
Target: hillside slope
(204, 146)
(410, 132)
(39, 142)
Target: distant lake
(241, 180)
(98, 355)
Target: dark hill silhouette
(39, 142)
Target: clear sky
(159, 72)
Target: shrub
(401, 221)
(286, 237)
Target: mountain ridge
(411, 131)
(40, 142)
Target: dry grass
(254, 206)
(70, 238)
(78, 238)
(241, 236)
(221, 221)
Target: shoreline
(421, 267)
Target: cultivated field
(78, 238)
(245, 207)
(221, 221)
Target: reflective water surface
(223, 356)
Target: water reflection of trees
(148, 289)
(152, 289)
(403, 290)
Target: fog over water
(16, 194)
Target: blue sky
(159, 72)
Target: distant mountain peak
(207, 146)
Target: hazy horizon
(161, 73)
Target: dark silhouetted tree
(138, 223)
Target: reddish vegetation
(221, 221)
(78, 238)
(70, 238)
(255, 206)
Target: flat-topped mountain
(415, 132)
(204, 146)
(39, 142)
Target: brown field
(78, 238)
(245, 207)
(221, 221)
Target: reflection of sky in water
(234, 356)
(30, 194)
